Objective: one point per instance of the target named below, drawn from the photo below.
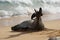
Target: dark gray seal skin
(33, 24)
(25, 25)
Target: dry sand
(53, 29)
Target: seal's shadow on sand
(43, 32)
(21, 33)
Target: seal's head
(37, 14)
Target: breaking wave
(10, 8)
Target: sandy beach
(53, 29)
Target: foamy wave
(25, 7)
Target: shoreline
(18, 19)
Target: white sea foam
(25, 7)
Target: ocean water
(10, 8)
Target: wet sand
(53, 29)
